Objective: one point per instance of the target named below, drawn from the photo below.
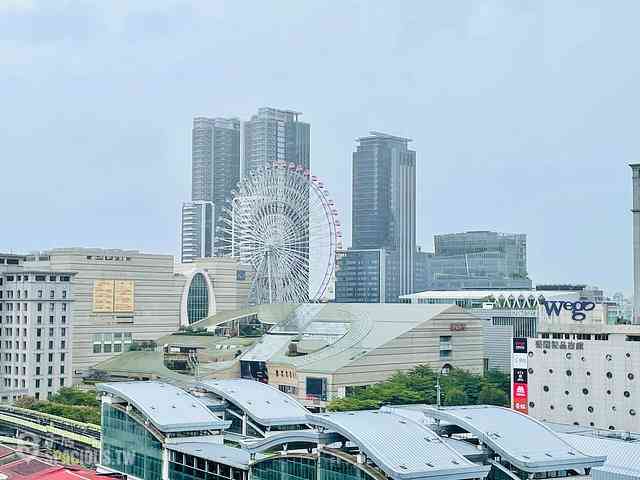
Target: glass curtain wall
(128, 447)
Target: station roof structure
(519, 439)
(416, 452)
(263, 403)
(216, 452)
(168, 408)
(623, 457)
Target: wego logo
(578, 309)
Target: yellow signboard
(124, 296)
(113, 296)
(103, 296)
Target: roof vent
(455, 462)
(549, 455)
(403, 467)
(430, 465)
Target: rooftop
(373, 135)
(358, 329)
(415, 452)
(519, 439)
(235, 457)
(485, 294)
(263, 403)
(622, 457)
(168, 408)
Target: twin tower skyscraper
(384, 185)
(218, 162)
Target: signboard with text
(519, 376)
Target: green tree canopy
(459, 387)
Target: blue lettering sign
(577, 309)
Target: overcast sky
(524, 115)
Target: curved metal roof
(232, 456)
(623, 457)
(168, 408)
(400, 447)
(519, 439)
(289, 437)
(263, 403)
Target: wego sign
(577, 309)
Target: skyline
(113, 171)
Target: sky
(524, 115)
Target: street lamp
(443, 371)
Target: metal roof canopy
(290, 437)
(263, 403)
(518, 438)
(217, 452)
(402, 448)
(168, 408)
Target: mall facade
(65, 310)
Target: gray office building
(384, 206)
(274, 135)
(480, 260)
(360, 276)
(215, 171)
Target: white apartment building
(35, 331)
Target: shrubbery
(69, 403)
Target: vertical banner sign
(519, 376)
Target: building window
(97, 343)
(316, 388)
(198, 299)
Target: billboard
(113, 296)
(519, 375)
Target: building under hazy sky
(524, 114)
(384, 205)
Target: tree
(490, 395)
(459, 387)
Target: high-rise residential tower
(384, 206)
(275, 135)
(635, 167)
(215, 171)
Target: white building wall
(586, 382)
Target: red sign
(457, 327)
(521, 397)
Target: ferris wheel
(283, 224)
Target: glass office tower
(478, 260)
(384, 205)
